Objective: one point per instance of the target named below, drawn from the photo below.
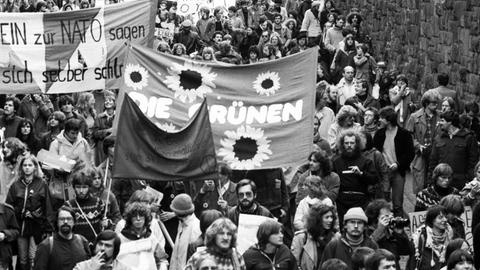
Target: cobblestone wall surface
(424, 37)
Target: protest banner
(247, 229)
(147, 152)
(417, 219)
(72, 51)
(261, 114)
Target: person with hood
(311, 24)
(220, 243)
(270, 252)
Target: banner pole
(165, 233)
(109, 186)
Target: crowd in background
(342, 209)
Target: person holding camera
(388, 231)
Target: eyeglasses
(209, 268)
(65, 219)
(245, 194)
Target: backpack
(76, 237)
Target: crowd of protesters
(342, 209)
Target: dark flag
(144, 151)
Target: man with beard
(107, 247)
(220, 242)
(396, 145)
(456, 147)
(356, 173)
(247, 203)
(89, 210)
(64, 249)
(12, 150)
(355, 222)
(9, 121)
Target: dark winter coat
(403, 147)
(256, 259)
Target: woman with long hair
(308, 245)
(55, 124)
(103, 127)
(86, 108)
(316, 193)
(26, 134)
(29, 196)
(319, 165)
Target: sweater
(94, 210)
(64, 254)
(231, 260)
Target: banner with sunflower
(261, 114)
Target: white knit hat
(355, 213)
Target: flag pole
(109, 186)
(165, 233)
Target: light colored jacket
(311, 25)
(304, 206)
(62, 147)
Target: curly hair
(345, 112)
(314, 219)
(179, 45)
(83, 176)
(359, 140)
(137, 208)
(216, 228)
(430, 97)
(373, 210)
(16, 146)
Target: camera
(399, 222)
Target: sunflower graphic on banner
(261, 114)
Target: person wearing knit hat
(188, 229)
(355, 213)
(353, 237)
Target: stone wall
(424, 37)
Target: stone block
(459, 9)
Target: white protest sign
(247, 230)
(417, 219)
